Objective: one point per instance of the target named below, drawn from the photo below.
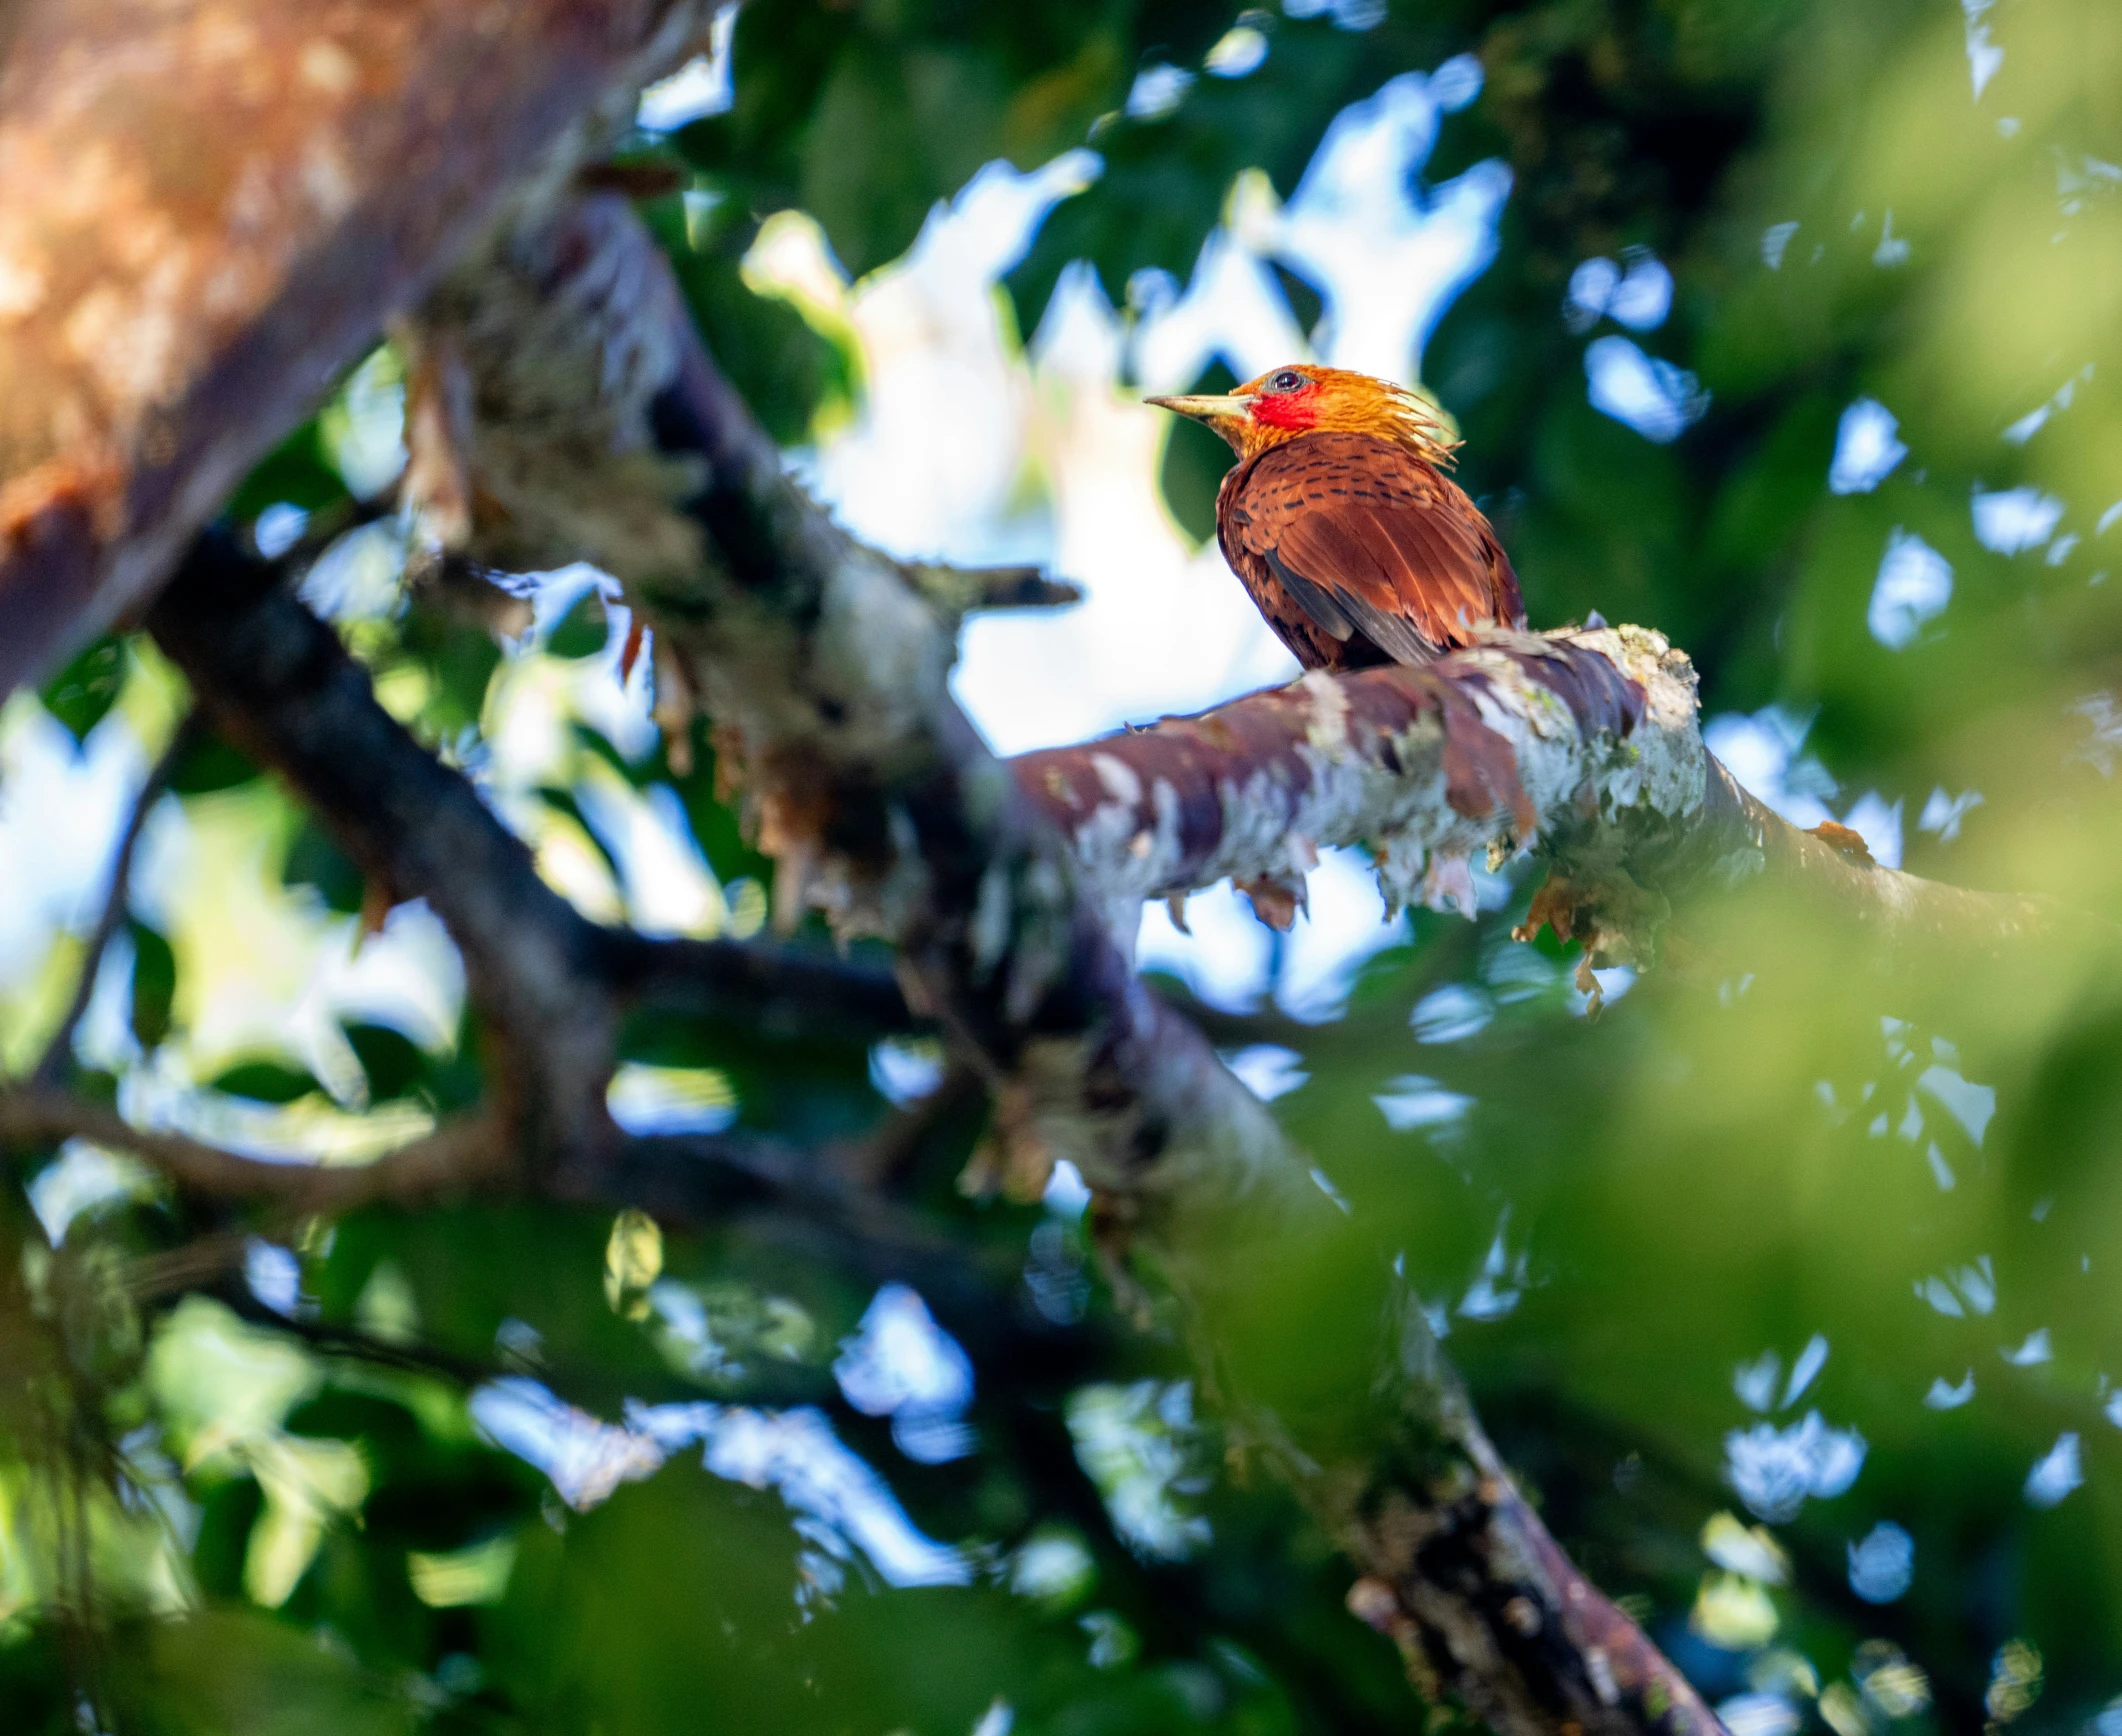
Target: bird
(1339, 519)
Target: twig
(960, 591)
(457, 1155)
(51, 1065)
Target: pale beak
(1207, 407)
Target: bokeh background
(1789, 1284)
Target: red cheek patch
(1288, 409)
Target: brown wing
(1369, 540)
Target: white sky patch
(1637, 293)
(901, 1364)
(2056, 1473)
(669, 888)
(1414, 1102)
(794, 1452)
(1237, 52)
(273, 1275)
(1962, 1291)
(1760, 1714)
(2013, 520)
(1883, 1564)
(1500, 1282)
(797, 1453)
(1984, 57)
(81, 1178)
(1866, 448)
(262, 970)
(360, 576)
(1762, 751)
(1348, 14)
(1451, 1013)
(1943, 813)
(1267, 1070)
(62, 808)
(1806, 1369)
(1224, 958)
(644, 1099)
(1969, 1104)
(585, 1458)
(1878, 822)
(1343, 925)
(699, 88)
(1950, 1395)
(2036, 1350)
(1157, 90)
(2030, 424)
(1775, 1470)
(905, 1069)
(1658, 399)
(278, 528)
(1067, 1194)
(1385, 264)
(1755, 1382)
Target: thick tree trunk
(206, 212)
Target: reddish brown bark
(208, 211)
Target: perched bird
(1339, 520)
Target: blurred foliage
(251, 1473)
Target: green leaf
(265, 1082)
(83, 692)
(583, 631)
(210, 764)
(785, 369)
(315, 859)
(296, 472)
(231, 1673)
(154, 984)
(1195, 463)
(395, 1065)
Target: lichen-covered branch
(823, 666)
(207, 211)
(1583, 745)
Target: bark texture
(823, 667)
(207, 211)
(1582, 745)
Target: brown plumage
(1339, 520)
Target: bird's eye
(1288, 380)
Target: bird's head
(1301, 399)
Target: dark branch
(455, 1157)
(276, 680)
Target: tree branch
(276, 680)
(819, 657)
(1583, 745)
(456, 1156)
(272, 184)
(824, 670)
